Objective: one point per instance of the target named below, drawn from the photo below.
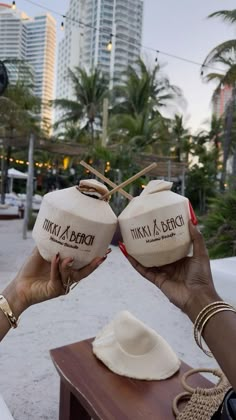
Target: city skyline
(180, 29)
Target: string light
(13, 5)
(109, 45)
(23, 162)
(177, 57)
(156, 59)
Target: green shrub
(220, 226)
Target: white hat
(130, 348)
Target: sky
(180, 28)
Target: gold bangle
(205, 322)
(204, 316)
(4, 306)
(206, 309)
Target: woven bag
(202, 402)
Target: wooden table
(88, 389)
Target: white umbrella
(15, 174)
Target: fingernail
(70, 263)
(101, 261)
(123, 249)
(193, 215)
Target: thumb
(199, 246)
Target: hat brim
(158, 364)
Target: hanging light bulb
(109, 45)
(13, 5)
(62, 26)
(156, 59)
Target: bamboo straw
(106, 180)
(128, 181)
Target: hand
(185, 280)
(38, 280)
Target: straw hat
(130, 348)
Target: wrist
(15, 299)
(199, 300)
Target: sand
(29, 382)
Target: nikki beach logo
(158, 231)
(66, 236)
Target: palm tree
(214, 137)
(19, 110)
(139, 131)
(143, 89)
(89, 92)
(181, 138)
(225, 54)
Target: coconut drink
(76, 223)
(154, 225)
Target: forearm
(219, 334)
(12, 296)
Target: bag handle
(184, 396)
(215, 372)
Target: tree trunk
(30, 180)
(3, 177)
(92, 133)
(234, 171)
(228, 137)
(4, 169)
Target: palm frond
(224, 49)
(226, 15)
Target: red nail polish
(193, 215)
(123, 249)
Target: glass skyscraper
(34, 41)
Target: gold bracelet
(204, 316)
(207, 313)
(4, 306)
(202, 312)
(231, 309)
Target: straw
(106, 180)
(128, 181)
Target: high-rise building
(70, 48)
(12, 37)
(41, 55)
(32, 40)
(90, 27)
(118, 22)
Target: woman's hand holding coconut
(38, 281)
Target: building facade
(40, 53)
(221, 100)
(90, 26)
(32, 40)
